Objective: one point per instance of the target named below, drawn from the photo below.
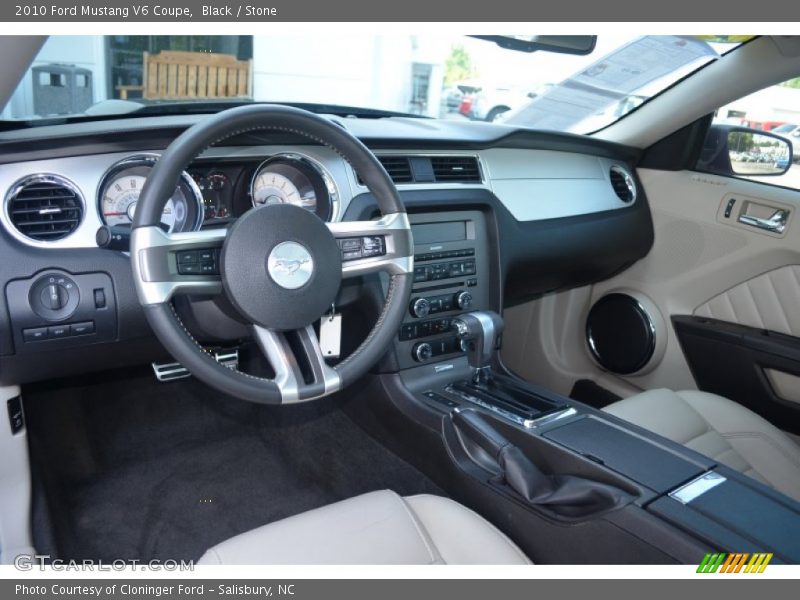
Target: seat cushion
(375, 528)
(722, 430)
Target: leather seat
(375, 528)
(721, 429)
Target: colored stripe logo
(739, 562)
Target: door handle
(776, 223)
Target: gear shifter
(479, 333)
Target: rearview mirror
(752, 152)
(562, 44)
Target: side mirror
(740, 151)
(758, 153)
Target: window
(774, 110)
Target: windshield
(446, 77)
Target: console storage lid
(643, 460)
(737, 515)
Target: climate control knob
(464, 300)
(420, 307)
(422, 352)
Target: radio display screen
(430, 233)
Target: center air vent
(398, 168)
(456, 169)
(44, 207)
(430, 169)
(623, 184)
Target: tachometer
(294, 179)
(122, 184)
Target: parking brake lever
(566, 495)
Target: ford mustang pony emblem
(290, 265)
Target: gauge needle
(114, 214)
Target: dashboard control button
(425, 328)
(100, 298)
(189, 269)
(373, 246)
(408, 332)
(57, 331)
(34, 334)
(83, 328)
(208, 268)
(469, 267)
(206, 255)
(420, 307)
(351, 254)
(187, 256)
(350, 244)
(422, 352)
(463, 300)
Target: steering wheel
(279, 265)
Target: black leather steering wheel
(279, 265)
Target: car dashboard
(499, 216)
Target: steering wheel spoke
(168, 264)
(301, 372)
(374, 246)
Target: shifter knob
(479, 332)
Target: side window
(751, 137)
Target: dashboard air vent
(456, 169)
(44, 207)
(623, 184)
(398, 167)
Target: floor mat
(133, 469)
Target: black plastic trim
(129, 137)
(729, 359)
(680, 150)
(537, 257)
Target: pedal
(165, 372)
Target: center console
(452, 262)
(541, 464)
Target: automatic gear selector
(479, 333)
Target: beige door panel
(698, 258)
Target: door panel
(702, 263)
(769, 301)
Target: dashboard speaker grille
(44, 207)
(623, 184)
(456, 169)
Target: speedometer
(294, 179)
(271, 187)
(122, 184)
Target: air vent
(44, 207)
(398, 168)
(456, 169)
(623, 184)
